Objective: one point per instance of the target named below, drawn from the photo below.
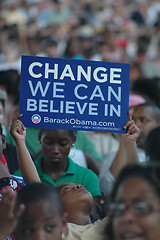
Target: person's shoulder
(91, 231)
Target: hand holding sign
(132, 130)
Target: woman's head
(56, 144)
(135, 204)
(43, 216)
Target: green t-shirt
(74, 173)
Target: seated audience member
(43, 216)
(79, 205)
(146, 117)
(38, 213)
(134, 211)
(77, 202)
(55, 167)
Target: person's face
(145, 120)
(41, 221)
(56, 145)
(72, 195)
(140, 227)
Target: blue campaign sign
(74, 94)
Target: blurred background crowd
(106, 30)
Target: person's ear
(64, 222)
(3, 141)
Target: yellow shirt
(93, 231)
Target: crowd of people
(63, 184)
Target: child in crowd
(77, 202)
(36, 213)
(43, 216)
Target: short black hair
(148, 171)
(34, 192)
(155, 108)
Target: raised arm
(127, 152)
(28, 169)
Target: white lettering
(104, 76)
(93, 108)
(31, 69)
(48, 70)
(31, 105)
(112, 92)
(40, 87)
(98, 94)
(70, 107)
(69, 74)
(56, 89)
(76, 91)
(52, 107)
(81, 109)
(86, 75)
(43, 105)
(114, 110)
(113, 75)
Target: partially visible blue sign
(74, 94)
